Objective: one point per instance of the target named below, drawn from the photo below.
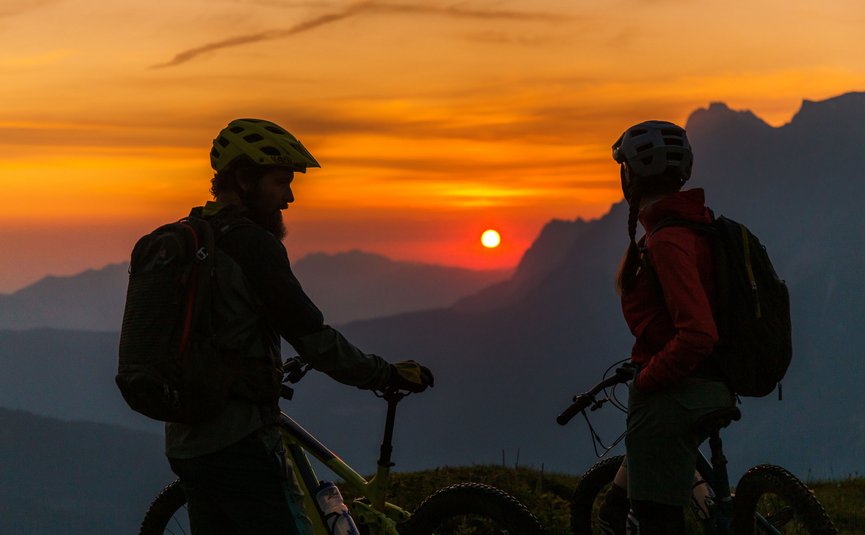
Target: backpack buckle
(201, 254)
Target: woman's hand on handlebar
(628, 371)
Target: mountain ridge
(347, 286)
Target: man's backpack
(752, 311)
(169, 366)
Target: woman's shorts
(661, 446)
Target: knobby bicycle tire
(162, 516)
(472, 508)
(779, 496)
(588, 490)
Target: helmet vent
(275, 130)
(671, 132)
(647, 161)
(677, 141)
(638, 132)
(270, 151)
(644, 147)
(214, 154)
(222, 141)
(675, 156)
(236, 129)
(253, 138)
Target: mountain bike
(460, 508)
(767, 499)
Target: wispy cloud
(356, 9)
(304, 26)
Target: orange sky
(432, 120)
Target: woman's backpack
(752, 311)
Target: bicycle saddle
(716, 420)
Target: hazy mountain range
(75, 477)
(508, 358)
(347, 286)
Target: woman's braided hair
(667, 182)
(626, 275)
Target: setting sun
(490, 239)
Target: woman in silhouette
(666, 284)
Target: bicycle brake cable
(598, 441)
(610, 396)
(616, 402)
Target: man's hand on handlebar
(294, 369)
(409, 375)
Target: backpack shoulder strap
(202, 234)
(222, 226)
(222, 220)
(646, 263)
(708, 228)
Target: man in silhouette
(232, 466)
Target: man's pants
(244, 489)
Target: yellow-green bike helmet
(264, 142)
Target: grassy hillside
(845, 502)
(545, 494)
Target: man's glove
(409, 375)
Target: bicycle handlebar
(586, 399)
(295, 368)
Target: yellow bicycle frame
(378, 515)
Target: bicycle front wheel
(590, 493)
(167, 514)
(472, 508)
(770, 495)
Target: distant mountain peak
(720, 116)
(550, 246)
(846, 107)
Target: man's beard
(270, 220)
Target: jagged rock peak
(550, 246)
(843, 107)
(720, 115)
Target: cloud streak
(362, 8)
(305, 26)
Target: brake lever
(598, 404)
(294, 369)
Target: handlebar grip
(566, 416)
(580, 403)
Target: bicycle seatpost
(392, 399)
(719, 468)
